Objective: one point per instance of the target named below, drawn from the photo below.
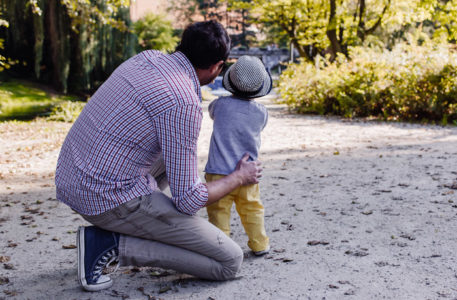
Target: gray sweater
(236, 130)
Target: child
(238, 121)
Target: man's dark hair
(204, 44)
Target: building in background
(234, 21)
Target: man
(143, 120)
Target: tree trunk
(38, 32)
(54, 44)
(361, 24)
(362, 32)
(335, 44)
(301, 50)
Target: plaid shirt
(148, 109)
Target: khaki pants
(249, 208)
(155, 233)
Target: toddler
(238, 121)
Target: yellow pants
(249, 208)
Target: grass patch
(24, 101)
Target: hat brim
(265, 90)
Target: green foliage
(5, 62)
(66, 111)
(72, 44)
(332, 26)
(95, 12)
(155, 32)
(412, 83)
(321, 25)
(22, 101)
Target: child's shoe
(262, 252)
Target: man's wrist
(237, 178)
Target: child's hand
(249, 172)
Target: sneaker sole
(81, 269)
(262, 252)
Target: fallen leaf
(4, 259)
(282, 250)
(314, 243)
(164, 289)
(452, 186)
(10, 293)
(408, 236)
(71, 246)
(356, 253)
(349, 293)
(4, 280)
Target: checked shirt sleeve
(178, 130)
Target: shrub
(412, 83)
(155, 32)
(66, 111)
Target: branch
(378, 22)
(361, 26)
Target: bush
(155, 32)
(411, 83)
(66, 111)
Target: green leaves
(411, 82)
(155, 32)
(334, 25)
(86, 12)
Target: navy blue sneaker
(97, 248)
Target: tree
(304, 21)
(72, 44)
(5, 62)
(188, 11)
(445, 20)
(236, 20)
(331, 26)
(155, 32)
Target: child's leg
(251, 212)
(219, 212)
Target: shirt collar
(190, 70)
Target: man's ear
(217, 66)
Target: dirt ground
(354, 210)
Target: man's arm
(177, 131)
(246, 172)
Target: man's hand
(248, 172)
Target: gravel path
(354, 210)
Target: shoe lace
(107, 259)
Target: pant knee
(232, 266)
